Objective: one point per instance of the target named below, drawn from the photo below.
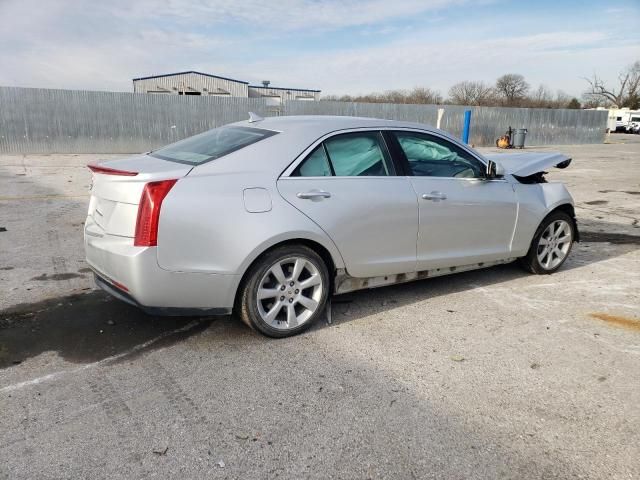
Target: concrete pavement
(487, 374)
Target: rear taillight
(111, 171)
(149, 212)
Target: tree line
(512, 90)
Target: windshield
(210, 145)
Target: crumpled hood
(530, 163)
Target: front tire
(551, 244)
(284, 291)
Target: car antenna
(254, 117)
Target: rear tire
(551, 244)
(284, 291)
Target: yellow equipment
(506, 140)
(503, 142)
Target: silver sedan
(269, 217)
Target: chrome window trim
(300, 158)
(372, 177)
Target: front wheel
(285, 291)
(551, 244)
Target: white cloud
(288, 14)
(559, 59)
(102, 45)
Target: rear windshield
(210, 145)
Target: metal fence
(67, 121)
(34, 120)
(545, 126)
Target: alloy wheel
(289, 293)
(554, 244)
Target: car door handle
(313, 194)
(435, 196)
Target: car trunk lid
(117, 187)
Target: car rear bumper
(132, 274)
(113, 290)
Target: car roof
(319, 125)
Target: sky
(339, 47)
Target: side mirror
(494, 170)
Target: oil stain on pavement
(85, 328)
(618, 320)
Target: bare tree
(542, 98)
(471, 93)
(419, 95)
(426, 96)
(594, 101)
(337, 98)
(563, 99)
(512, 90)
(626, 94)
(391, 96)
(512, 87)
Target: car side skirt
(345, 283)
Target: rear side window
(316, 165)
(210, 145)
(348, 155)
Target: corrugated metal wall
(191, 82)
(545, 126)
(36, 120)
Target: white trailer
(623, 119)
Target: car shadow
(87, 327)
(91, 327)
(602, 241)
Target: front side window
(430, 156)
(210, 145)
(348, 155)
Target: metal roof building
(191, 83)
(198, 83)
